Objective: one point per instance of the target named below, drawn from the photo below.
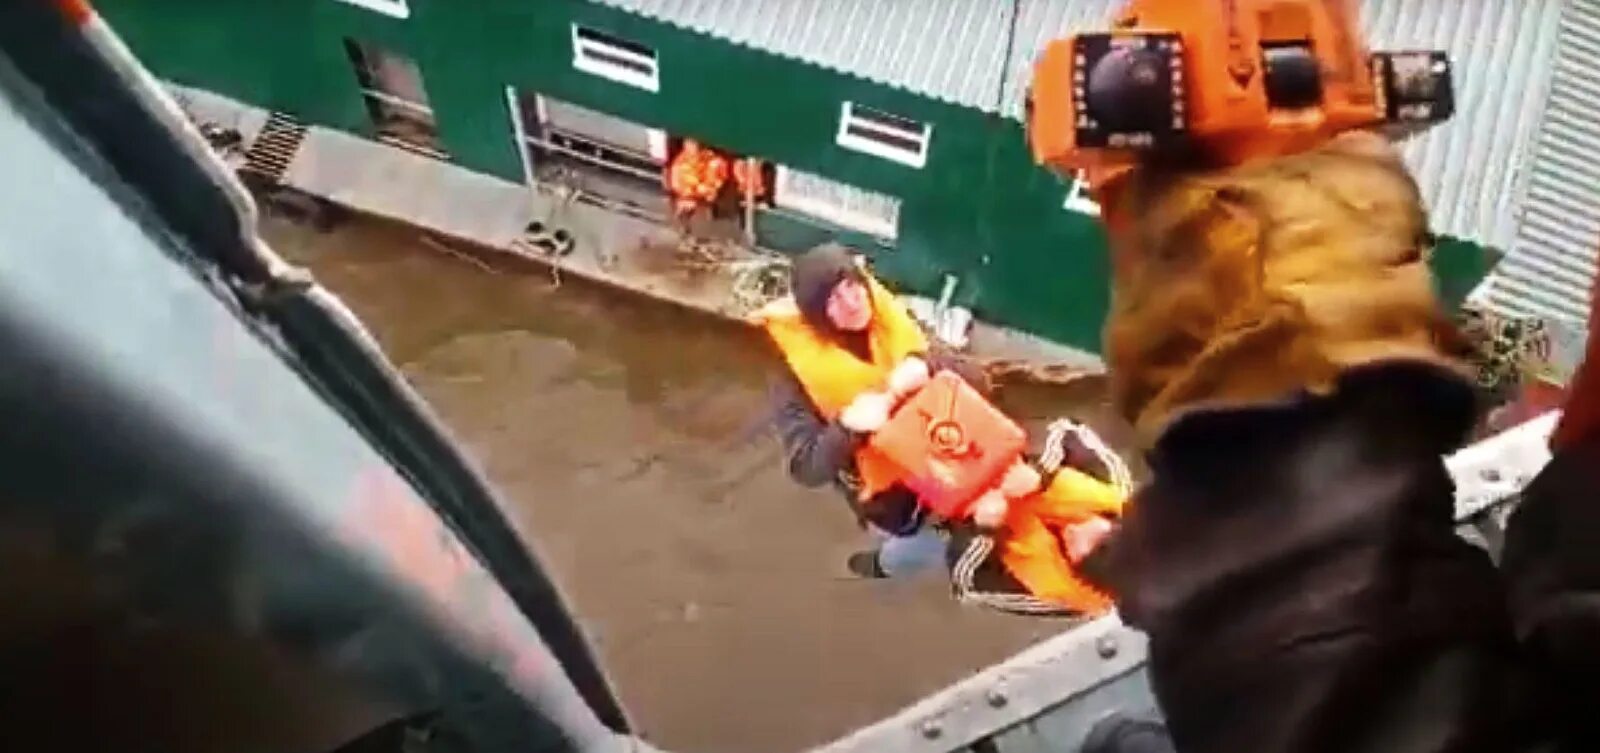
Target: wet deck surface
(624, 433)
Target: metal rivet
(931, 730)
(996, 698)
(1106, 646)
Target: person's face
(849, 306)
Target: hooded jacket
(818, 450)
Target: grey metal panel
(1063, 728)
(1039, 22)
(1552, 263)
(950, 50)
(1083, 668)
(605, 128)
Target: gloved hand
(908, 377)
(989, 512)
(1020, 480)
(867, 413)
(1079, 539)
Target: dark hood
(812, 277)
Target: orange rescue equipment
(832, 376)
(949, 444)
(697, 174)
(1031, 547)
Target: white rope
(966, 567)
(1055, 452)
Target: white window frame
(584, 60)
(855, 142)
(394, 8)
(786, 198)
(520, 130)
(1078, 199)
(399, 102)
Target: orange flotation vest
(1031, 549)
(697, 175)
(748, 178)
(832, 376)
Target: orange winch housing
(1221, 50)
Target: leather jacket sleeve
(1552, 565)
(1296, 569)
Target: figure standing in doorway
(695, 177)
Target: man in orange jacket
(695, 178)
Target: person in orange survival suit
(849, 347)
(749, 178)
(695, 178)
(1029, 538)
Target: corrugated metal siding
(1551, 265)
(954, 50)
(1039, 22)
(951, 50)
(1471, 168)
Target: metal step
(275, 147)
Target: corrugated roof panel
(1551, 267)
(1039, 22)
(950, 50)
(955, 50)
(1470, 169)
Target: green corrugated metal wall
(980, 209)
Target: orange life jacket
(832, 376)
(748, 178)
(697, 175)
(1030, 546)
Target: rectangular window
(839, 203)
(1078, 199)
(392, 88)
(596, 153)
(396, 8)
(612, 57)
(882, 134)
